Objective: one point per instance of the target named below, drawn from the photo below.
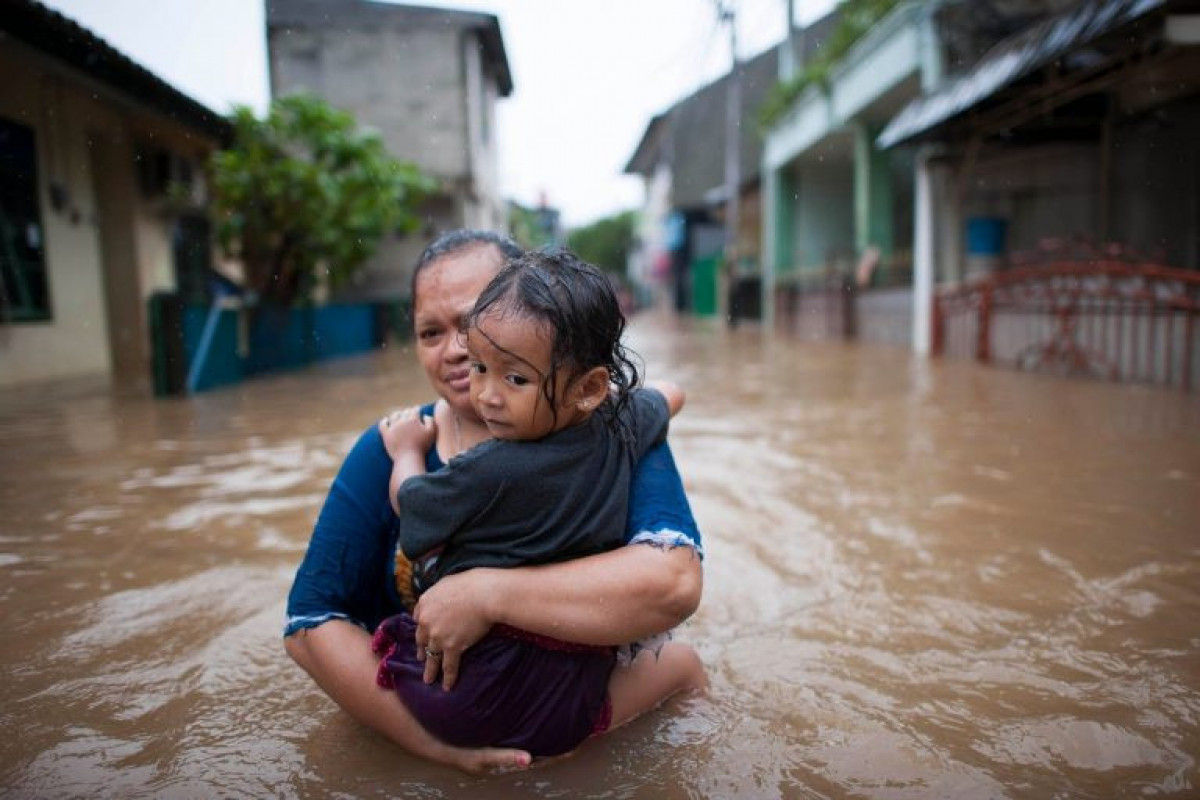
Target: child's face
(510, 364)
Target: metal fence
(1102, 317)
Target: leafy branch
(304, 193)
(857, 18)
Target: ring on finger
(431, 653)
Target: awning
(1011, 60)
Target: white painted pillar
(770, 239)
(923, 254)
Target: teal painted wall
(822, 214)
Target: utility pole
(787, 49)
(733, 164)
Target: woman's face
(445, 292)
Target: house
(1066, 157)
(837, 208)
(101, 200)
(681, 159)
(427, 80)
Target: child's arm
(673, 392)
(407, 437)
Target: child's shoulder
(647, 401)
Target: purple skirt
(515, 689)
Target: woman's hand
(607, 599)
(451, 616)
(407, 431)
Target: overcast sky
(588, 74)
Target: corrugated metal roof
(61, 37)
(1011, 60)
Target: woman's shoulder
(369, 449)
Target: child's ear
(590, 389)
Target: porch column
(777, 196)
(770, 212)
(872, 193)
(923, 253)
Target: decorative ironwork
(1072, 309)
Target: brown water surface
(922, 579)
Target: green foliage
(606, 242)
(530, 227)
(304, 192)
(858, 17)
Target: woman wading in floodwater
(345, 586)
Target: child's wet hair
(579, 307)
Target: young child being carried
(556, 388)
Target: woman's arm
(337, 655)
(611, 598)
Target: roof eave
(65, 40)
(1009, 61)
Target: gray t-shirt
(506, 503)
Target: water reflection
(923, 579)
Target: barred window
(24, 289)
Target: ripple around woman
(345, 586)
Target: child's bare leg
(649, 680)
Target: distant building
(535, 226)
(681, 159)
(427, 79)
(101, 200)
(1069, 144)
(837, 208)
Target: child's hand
(406, 431)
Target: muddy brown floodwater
(923, 579)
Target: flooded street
(922, 579)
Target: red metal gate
(1103, 316)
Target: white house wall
(72, 118)
(652, 228)
(74, 341)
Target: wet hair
(578, 305)
(461, 241)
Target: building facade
(101, 200)
(427, 80)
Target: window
(24, 290)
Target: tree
(606, 242)
(303, 193)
